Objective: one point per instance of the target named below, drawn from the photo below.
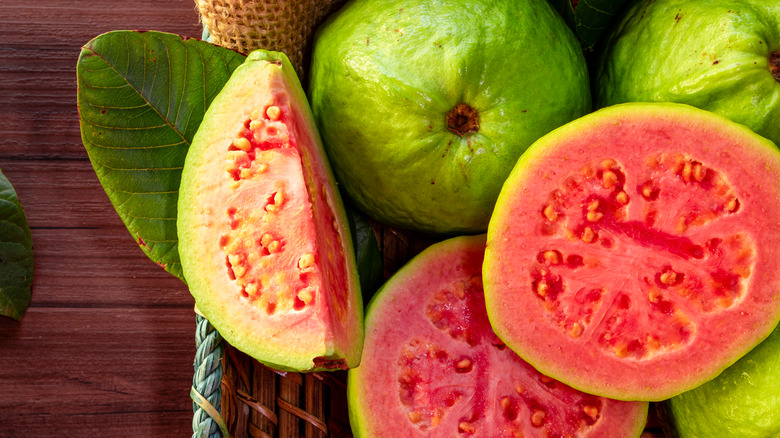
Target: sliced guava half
(432, 366)
(634, 252)
(263, 236)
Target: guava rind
(339, 336)
(712, 54)
(385, 74)
(635, 129)
(399, 313)
(742, 401)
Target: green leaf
(141, 98)
(367, 254)
(589, 19)
(16, 254)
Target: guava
(633, 253)
(425, 106)
(719, 55)
(263, 236)
(432, 366)
(743, 401)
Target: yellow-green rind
(225, 110)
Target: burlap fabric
(283, 25)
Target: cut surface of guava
(424, 106)
(718, 55)
(633, 253)
(264, 239)
(432, 366)
(743, 401)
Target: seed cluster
(594, 206)
(246, 253)
(523, 395)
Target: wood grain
(107, 346)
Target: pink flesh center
(470, 384)
(623, 263)
(272, 252)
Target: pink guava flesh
(432, 366)
(633, 253)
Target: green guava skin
(744, 401)
(712, 54)
(385, 74)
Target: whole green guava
(718, 55)
(744, 401)
(424, 107)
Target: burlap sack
(283, 25)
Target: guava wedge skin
(425, 106)
(712, 54)
(633, 252)
(743, 401)
(432, 367)
(264, 238)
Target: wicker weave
(282, 25)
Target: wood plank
(100, 268)
(41, 44)
(60, 193)
(115, 368)
(107, 345)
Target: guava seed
(463, 365)
(550, 257)
(273, 112)
(591, 411)
(466, 427)
(732, 205)
(537, 418)
(306, 261)
(649, 192)
(588, 235)
(549, 212)
(463, 120)
(242, 143)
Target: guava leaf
(589, 19)
(141, 98)
(16, 254)
(367, 254)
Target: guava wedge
(634, 253)
(263, 236)
(432, 366)
(743, 401)
(718, 55)
(424, 106)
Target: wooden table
(106, 347)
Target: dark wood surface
(106, 347)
